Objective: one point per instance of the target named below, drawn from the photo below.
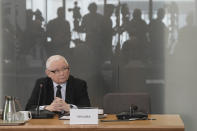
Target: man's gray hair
(54, 58)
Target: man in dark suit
(59, 91)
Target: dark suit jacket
(76, 93)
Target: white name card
(84, 116)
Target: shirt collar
(62, 85)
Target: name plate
(84, 116)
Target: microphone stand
(37, 114)
(37, 108)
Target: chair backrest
(118, 102)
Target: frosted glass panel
(115, 47)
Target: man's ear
(47, 73)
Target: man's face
(61, 13)
(58, 71)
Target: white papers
(64, 118)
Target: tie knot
(59, 87)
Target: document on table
(64, 118)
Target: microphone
(132, 114)
(37, 108)
(132, 109)
(43, 114)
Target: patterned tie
(58, 92)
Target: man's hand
(58, 105)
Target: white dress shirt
(63, 89)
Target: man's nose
(61, 72)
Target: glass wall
(115, 45)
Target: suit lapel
(69, 91)
(50, 91)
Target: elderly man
(59, 91)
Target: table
(162, 123)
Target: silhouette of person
(187, 34)
(39, 32)
(158, 34)
(91, 25)
(28, 40)
(140, 29)
(76, 15)
(8, 36)
(29, 18)
(34, 33)
(186, 46)
(131, 49)
(108, 32)
(58, 31)
(131, 66)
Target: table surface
(163, 122)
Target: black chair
(119, 102)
